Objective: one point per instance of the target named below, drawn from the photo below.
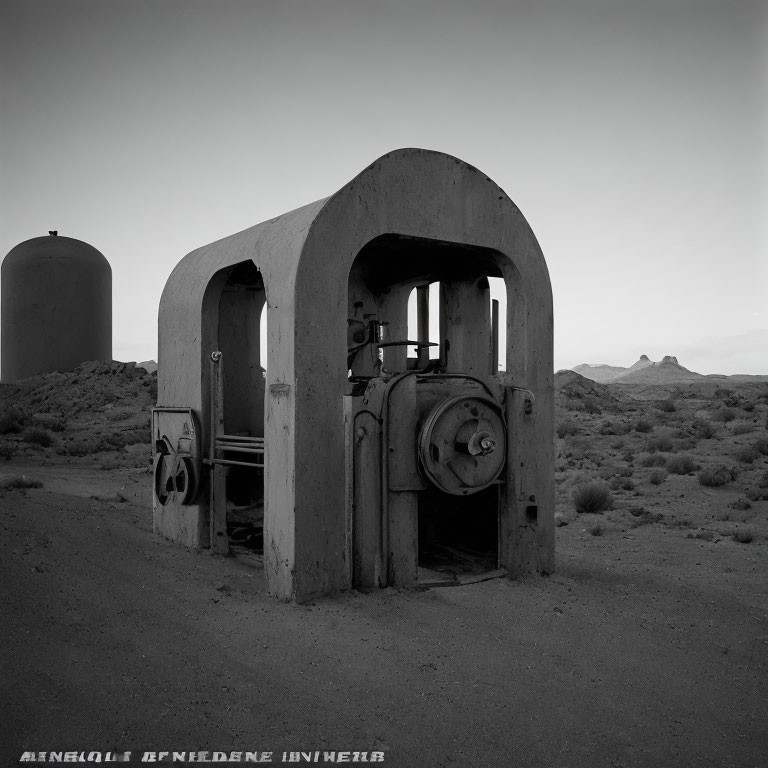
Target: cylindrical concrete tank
(56, 307)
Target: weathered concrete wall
(56, 306)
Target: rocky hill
(645, 372)
(100, 409)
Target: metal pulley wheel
(462, 445)
(174, 474)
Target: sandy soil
(648, 647)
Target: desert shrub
(566, 428)
(19, 481)
(628, 456)
(11, 421)
(652, 460)
(727, 397)
(667, 406)
(742, 427)
(52, 423)
(661, 443)
(597, 530)
(724, 414)
(658, 476)
(78, 448)
(590, 406)
(703, 429)
(591, 497)
(624, 483)
(643, 517)
(6, 450)
(642, 425)
(713, 477)
(756, 493)
(126, 437)
(740, 503)
(743, 535)
(761, 446)
(37, 436)
(681, 465)
(748, 406)
(746, 453)
(614, 428)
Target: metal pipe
(230, 463)
(422, 325)
(494, 337)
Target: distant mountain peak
(644, 370)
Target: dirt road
(647, 648)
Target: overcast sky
(631, 133)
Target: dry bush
(714, 477)
(78, 448)
(742, 427)
(661, 443)
(681, 465)
(11, 421)
(703, 429)
(743, 535)
(667, 406)
(591, 497)
(597, 530)
(19, 481)
(652, 460)
(746, 453)
(724, 414)
(761, 445)
(740, 504)
(567, 428)
(623, 483)
(614, 428)
(6, 450)
(643, 517)
(590, 405)
(758, 491)
(37, 436)
(642, 425)
(658, 476)
(52, 423)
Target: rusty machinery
(423, 442)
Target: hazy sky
(631, 133)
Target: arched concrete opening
(451, 524)
(233, 308)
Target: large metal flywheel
(462, 445)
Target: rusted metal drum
(462, 445)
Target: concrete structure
(369, 454)
(56, 307)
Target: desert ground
(647, 647)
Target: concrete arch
(305, 258)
